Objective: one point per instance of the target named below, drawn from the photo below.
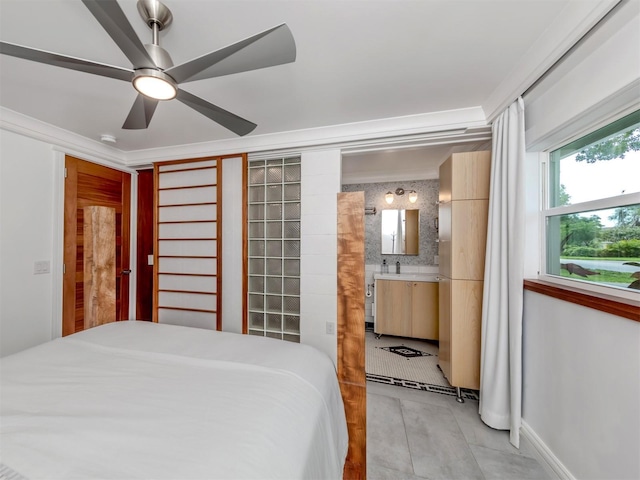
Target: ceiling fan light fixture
(155, 84)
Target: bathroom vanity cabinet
(463, 208)
(406, 306)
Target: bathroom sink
(407, 277)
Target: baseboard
(549, 461)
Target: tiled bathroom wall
(426, 260)
(374, 197)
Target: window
(592, 219)
(274, 248)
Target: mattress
(133, 400)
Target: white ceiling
(357, 61)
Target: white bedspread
(140, 400)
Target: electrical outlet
(331, 328)
(40, 267)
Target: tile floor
(414, 434)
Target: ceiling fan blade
(228, 120)
(114, 21)
(275, 46)
(140, 114)
(72, 63)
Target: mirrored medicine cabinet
(400, 232)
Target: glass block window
(274, 248)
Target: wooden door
(88, 184)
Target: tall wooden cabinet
(463, 210)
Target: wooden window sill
(621, 307)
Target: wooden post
(99, 266)
(351, 360)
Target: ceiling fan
(153, 74)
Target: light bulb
(389, 198)
(413, 196)
(155, 84)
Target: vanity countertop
(407, 277)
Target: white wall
(232, 244)
(26, 236)
(582, 386)
(581, 366)
(320, 185)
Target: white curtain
(501, 352)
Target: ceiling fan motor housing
(159, 56)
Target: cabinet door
(466, 327)
(444, 238)
(444, 332)
(468, 237)
(424, 310)
(470, 175)
(393, 307)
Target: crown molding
(387, 131)
(467, 124)
(564, 31)
(64, 140)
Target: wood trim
(168, 205)
(168, 239)
(186, 187)
(350, 318)
(187, 256)
(184, 309)
(70, 226)
(195, 292)
(598, 301)
(173, 222)
(189, 274)
(210, 167)
(245, 243)
(219, 221)
(156, 240)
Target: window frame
(546, 211)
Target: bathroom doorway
(404, 180)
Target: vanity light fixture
(413, 196)
(389, 198)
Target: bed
(132, 400)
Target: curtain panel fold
(501, 340)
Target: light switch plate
(41, 266)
